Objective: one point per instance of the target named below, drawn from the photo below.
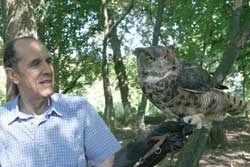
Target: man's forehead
(29, 43)
(26, 46)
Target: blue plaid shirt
(69, 134)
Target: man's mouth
(46, 81)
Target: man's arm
(107, 163)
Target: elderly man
(42, 128)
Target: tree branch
(72, 83)
(158, 23)
(118, 22)
(238, 33)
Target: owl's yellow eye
(149, 57)
(147, 60)
(166, 56)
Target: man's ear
(12, 75)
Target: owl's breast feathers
(160, 93)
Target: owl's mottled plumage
(182, 88)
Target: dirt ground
(236, 154)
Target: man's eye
(35, 63)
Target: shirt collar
(15, 113)
(54, 106)
(14, 110)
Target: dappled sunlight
(238, 136)
(233, 159)
(237, 153)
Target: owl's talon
(194, 120)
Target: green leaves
(73, 33)
(70, 36)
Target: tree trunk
(236, 40)
(41, 21)
(217, 137)
(121, 75)
(19, 20)
(244, 69)
(239, 30)
(158, 23)
(141, 112)
(108, 110)
(108, 30)
(1, 53)
(156, 34)
(56, 62)
(192, 151)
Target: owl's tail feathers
(239, 107)
(235, 105)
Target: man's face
(34, 73)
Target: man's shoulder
(68, 99)
(5, 114)
(9, 104)
(58, 97)
(7, 110)
(3, 110)
(75, 104)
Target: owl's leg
(196, 119)
(173, 116)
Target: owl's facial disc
(154, 63)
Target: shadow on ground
(236, 154)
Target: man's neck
(35, 107)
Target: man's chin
(47, 93)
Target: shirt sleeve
(99, 142)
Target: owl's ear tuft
(172, 47)
(137, 51)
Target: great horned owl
(183, 88)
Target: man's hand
(107, 163)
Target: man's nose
(47, 67)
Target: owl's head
(155, 63)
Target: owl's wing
(193, 77)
